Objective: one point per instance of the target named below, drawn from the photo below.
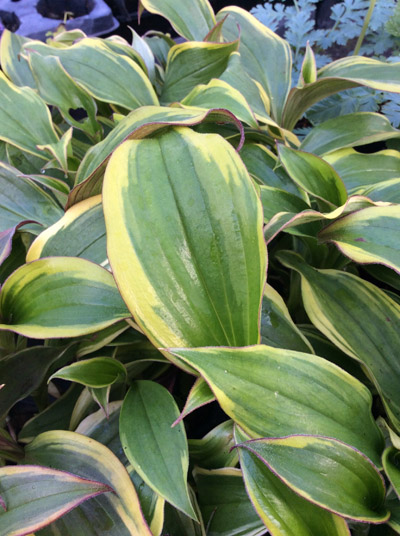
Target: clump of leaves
(201, 309)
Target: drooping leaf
(348, 130)
(326, 472)
(96, 372)
(204, 207)
(119, 512)
(137, 125)
(214, 450)
(265, 56)
(34, 496)
(359, 318)
(224, 504)
(314, 175)
(371, 235)
(65, 237)
(254, 386)
(158, 452)
(282, 510)
(193, 63)
(60, 297)
(192, 20)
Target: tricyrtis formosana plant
(141, 187)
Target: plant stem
(364, 28)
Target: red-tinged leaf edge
(6, 239)
(3, 504)
(141, 132)
(185, 412)
(245, 445)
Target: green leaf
(138, 124)
(199, 395)
(192, 20)
(387, 191)
(360, 170)
(193, 63)
(339, 75)
(25, 120)
(214, 450)
(203, 208)
(219, 94)
(254, 386)
(277, 328)
(265, 56)
(348, 130)
(119, 513)
(390, 460)
(83, 294)
(224, 504)
(13, 64)
(308, 73)
(359, 318)
(33, 497)
(326, 472)
(314, 175)
(65, 237)
(24, 371)
(282, 510)
(95, 372)
(159, 453)
(371, 235)
(103, 73)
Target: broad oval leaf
(326, 472)
(371, 235)
(186, 199)
(282, 510)
(157, 451)
(65, 237)
(359, 318)
(313, 175)
(266, 56)
(192, 20)
(13, 64)
(83, 295)
(119, 512)
(348, 130)
(95, 372)
(254, 386)
(193, 63)
(34, 496)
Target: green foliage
(167, 243)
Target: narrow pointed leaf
(224, 504)
(282, 510)
(157, 451)
(390, 460)
(95, 372)
(117, 512)
(359, 318)
(254, 386)
(371, 235)
(203, 206)
(348, 130)
(313, 175)
(193, 63)
(199, 395)
(35, 496)
(266, 57)
(83, 295)
(65, 237)
(326, 472)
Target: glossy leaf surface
(243, 377)
(204, 207)
(214, 450)
(95, 372)
(158, 452)
(83, 294)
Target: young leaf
(83, 294)
(254, 386)
(95, 372)
(308, 73)
(326, 472)
(34, 496)
(199, 395)
(158, 452)
(204, 207)
(282, 510)
(371, 235)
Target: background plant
(168, 243)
